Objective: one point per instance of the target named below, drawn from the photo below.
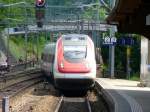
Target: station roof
(130, 16)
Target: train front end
(75, 66)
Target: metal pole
(111, 54)
(8, 40)
(111, 60)
(128, 61)
(32, 54)
(26, 35)
(8, 45)
(82, 27)
(97, 35)
(26, 42)
(37, 42)
(112, 47)
(78, 24)
(5, 104)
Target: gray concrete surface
(125, 95)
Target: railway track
(10, 93)
(16, 77)
(39, 98)
(73, 104)
(14, 84)
(92, 102)
(55, 102)
(47, 99)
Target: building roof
(130, 16)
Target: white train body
(73, 65)
(47, 59)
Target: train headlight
(87, 65)
(62, 65)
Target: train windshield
(75, 52)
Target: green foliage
(121, 56)
(14, 15)
(104, 67)
(135, 76)
(18, 47)
(102, 14)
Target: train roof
(75, 39)
(74, 35)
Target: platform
(124, 95)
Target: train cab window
(75, 52)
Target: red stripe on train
(66, 67)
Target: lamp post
(8, 45)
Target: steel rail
(70, 100)
(11, 79)
(11, 92)
(59, 104)
(88, 105)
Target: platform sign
(120, 41)
(109, 40)
(129, 41)
(125, 41)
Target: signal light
(40, 12)
(40, 3)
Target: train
(70, 62)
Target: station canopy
(131, 16)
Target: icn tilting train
(70, 61)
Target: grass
(17, 47)
(135, 77)
(17, 50)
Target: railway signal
(40, 12)
(40, 3)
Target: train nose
(68, 67)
